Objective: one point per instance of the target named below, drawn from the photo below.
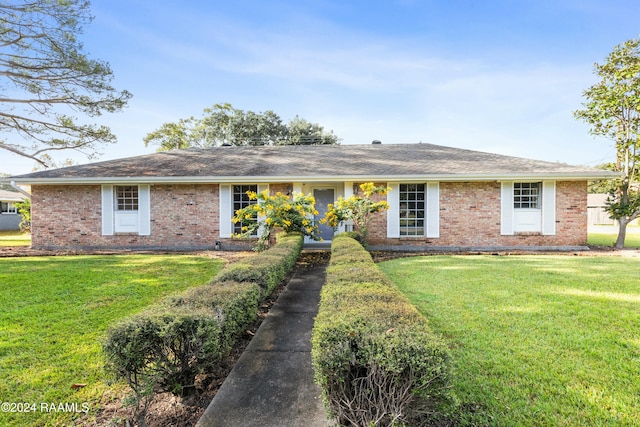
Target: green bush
(269, 268)
(163, 348)
(166, 346)
(233, 304)
(374, 355)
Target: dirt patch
(379, 256)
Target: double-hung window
(528, 207)
(527, 212)
(232, 198)
(241, 200)
(126, 209)
(412, 209)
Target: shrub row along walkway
(272, 382)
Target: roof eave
(567, 176)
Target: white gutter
(567, 176)
(14, 186)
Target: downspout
(23, 192)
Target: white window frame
(11, 209)
(417, 195)
(126, 198)
(226, 205)
(432, 210)
(525, 198)
(244, 202)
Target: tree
(612, 109)
(358, 209)
(291, 214)
(224, 124)
(302, 132)
(47, 79)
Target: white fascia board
(569, 176)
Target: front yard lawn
(54, 315)
(535, 340)
(607, 235)
(14, 238)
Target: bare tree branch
(43, 73)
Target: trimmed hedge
(164, 347)
(373, 353)
(233, 304)
(269, 268)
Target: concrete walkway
(272, 382)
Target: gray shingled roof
(314, 162)
(11, 196)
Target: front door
(323, 197)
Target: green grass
(14, 238)
(54, 315)
(535, 340)
(606, 236)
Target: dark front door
(323, 198)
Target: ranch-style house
(441, 197)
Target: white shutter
(144, 210)
(226, 210)
(107, 210)
(348, 189)
(433, 209)
(549, 207)
(393, 214)
(506, 208)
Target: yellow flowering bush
(357, 208)
(291, 214)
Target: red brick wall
(186, 216)
(470, 216)
(65, 216)
(71, 216)
(283, 188)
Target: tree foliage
(224, 124)
(303, 132)
(612, 109)
(46, 79)
(279, 211)
(24, 209)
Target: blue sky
(493, 75)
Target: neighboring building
(595, 209)
(440, 197)
(597, 214)
(9, 216)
